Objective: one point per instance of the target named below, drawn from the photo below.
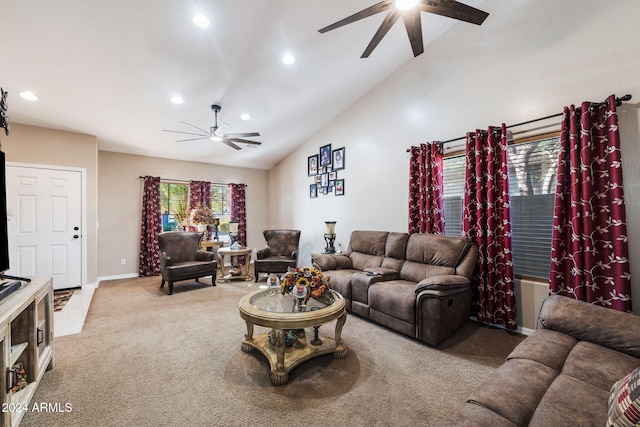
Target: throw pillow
(624, 401)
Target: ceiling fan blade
(196, 127)
(245, 134)
(388, 22)
(245, 141)
(192, 139)
(364, 13)
(413, 24)
(186, 133)
(455, 10)
(230, 144)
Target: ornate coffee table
(273, 310)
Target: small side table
(227, 276)
(211, 245)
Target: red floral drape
(487, 222)
(425, 189)
(590, 254)
(151, 226)
(238, 210)
(199, 194)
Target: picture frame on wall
(313, 191)
(337, 159)
(325, 155)
(312, 165)
(339, 187)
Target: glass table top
(273, 301)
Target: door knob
(75, 236)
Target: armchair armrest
(589, 322)
(204, 256)
(442, 283)
(324, 262)
(262, 253)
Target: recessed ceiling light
(245, 116)
(28, 95)
(406, 4)
(177, 100)
(288, 59)
(201, 20)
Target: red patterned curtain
(238, 210)
(590, 254)
(487, 222)
(425, 189)
(199, 194)
(149, 264)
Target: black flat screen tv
(4, 232)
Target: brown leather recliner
(181, 258)
(280, 253)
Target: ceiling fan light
(215, 138)
(201, 21)
(406, 4)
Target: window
(175, 206)
(532, 181)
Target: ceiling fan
(410, 10)
(227, 138)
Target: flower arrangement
(201, 214)
(316, 283)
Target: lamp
(216, 223)
(233, 234)
(330, 237)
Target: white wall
(528, 60)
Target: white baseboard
(120, 276)
(519, 329)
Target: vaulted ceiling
(110, 69)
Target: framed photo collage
(323, 168)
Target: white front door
(45, 236)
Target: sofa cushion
(368, 242)
(585, 363)
(571, 402)
(511, 393)
(340, 280)
(395, 297)
(624, 401)
(548, 347)
(362, 261)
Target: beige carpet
(148, 359)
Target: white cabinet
(26, 346)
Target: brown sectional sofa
(562, 374)
(418, 284)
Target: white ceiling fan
(213, 134)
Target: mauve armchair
(181, 258)
(280, 253)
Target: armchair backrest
(282, 242)
(434, 255)
(181, 246)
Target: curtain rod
(618, 103)
(185, 181)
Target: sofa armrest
(324, 262)
(442, 283)
(589, 322)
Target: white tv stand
(26, 338)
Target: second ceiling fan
(410, 10)
(229, 139)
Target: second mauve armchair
(280, 253)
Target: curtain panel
(590, 254)
(487, 222)
(238, 210)
(425, 189)
(151, 226)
